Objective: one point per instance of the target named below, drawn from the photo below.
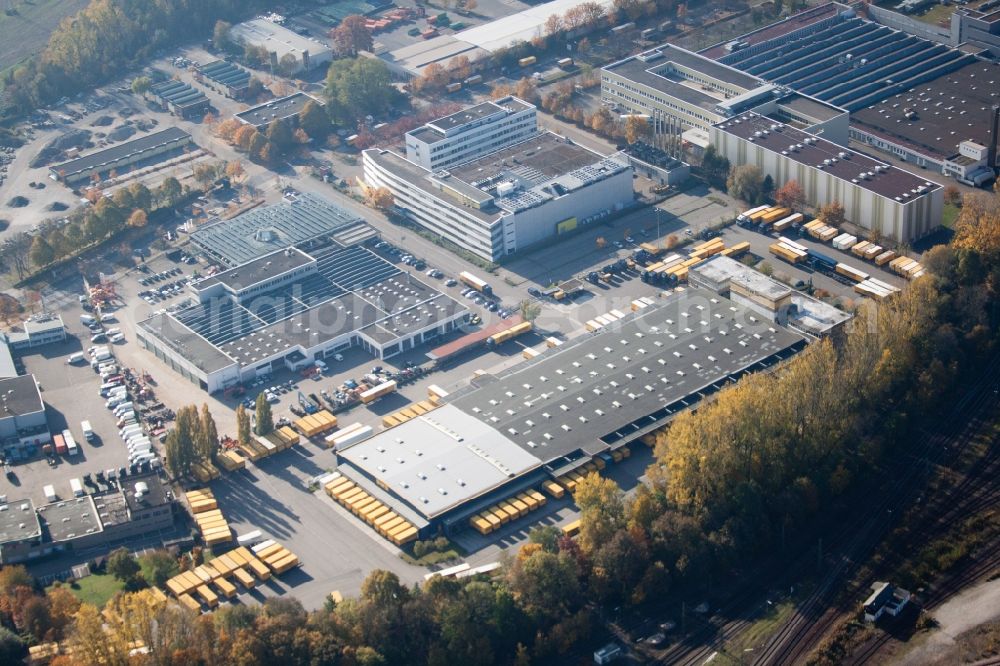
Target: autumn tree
(234, 170)
(636, 128)
(546, 584)
(832, 214)
(243, 137)
(746, 182)
(790, 195)
(226, 130)
(977, 228)
(952, 195)
(137, 219)
(460, 68)
(601, 121)
(433, 78)
(351, 36)
(602, 510)
(380, 198)
(554, 25)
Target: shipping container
(59, 443)
(227, 589)
(206, 595)
(71, 448)
(851, 272)
(786, 222)
(376, 392)
(745, 215)
(789, 254)
(859, 248)
(773, 215)
(885, 257)
(243, 578)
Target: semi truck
(476, 283)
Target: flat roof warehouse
(866, 172)
(588, 396)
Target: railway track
(797, 637)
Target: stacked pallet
(506, 511)
(407, 413)
(383, 520)
(277, 558)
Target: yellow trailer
(540, 498)
(480, 524)
(571, 529)
(500, 514)
(188, 602)
(493, 521)
(376, 513)
(209, 597)
(405, 537)
(554, 489)
(351, 494)
(243, 578)
(227, 589)
(528, 500)
(511, 510)
(379, 522)
(389, 526)
(522, 508)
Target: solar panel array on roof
(263, 230)
(850, 62)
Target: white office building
(279, 42)
(507, 200)
(471, 133)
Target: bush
(441, 544)
(419, 549)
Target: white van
(87, 319)
(137, 442)
(88, 432)
(76, 487)
(141, 458)
(139, 451)
(122, 408)
(129, 430)
(76, 358)
(50, 493)
(118, 337)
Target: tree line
(107, 38)
(54, 241)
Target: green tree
(545, 584)
(279, 134)
(13, 649)
(242, 425)
(208, 439)
(746, 182)
(161, 565)
(360, 87)
(122, 565)
(288, 65)
(169, 193)
(715, 167)
(264, 422)
(42, 253)
(546, 536)
(530, 310)
(314, 121)
(141, 84)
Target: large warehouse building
(282, 44)
(556, 413)
(895, 203)
(510, 199)
(911, 97)
(287, 308)
(149, 149)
